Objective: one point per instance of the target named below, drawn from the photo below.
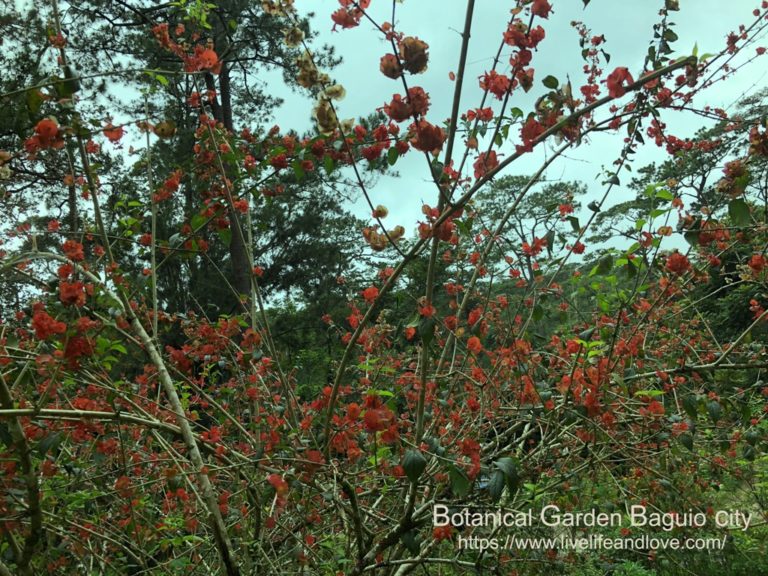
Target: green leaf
(157, 77)
(414, 464)
(603, 266)
(50, 442)
(34, 100)
(551, 82)
(410, 540)
(550, 238)
(328, 164)
(298, 170)
(225, 235)
(649, 393)
(586, 335)
(392, 156)
(5, 435)
(714, 410)
(459, 481)
(496, 485)
(117, 347)
(691, 406)
(574, 223)
(686, 440)
(197, 222)
(692, 237)
(738, 210)
(508, 466)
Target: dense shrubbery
(208, 366)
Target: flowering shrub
(138, 439)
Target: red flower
(655, 407)
(72, 293)
(278, 483)
(485, 163)
(535, 36)
(123, 487)
(370, 294)
(419, 100)
(45, 326)
(757, 263)
(515, 35)
(428, 138)
(346, 18)
(398, 109)
(615, 81)
(414, 55)
(427, 310)
(541, 8)
(578, 248)
(538, 245)
(76, 347)
(279, 161)
(208, 59)
(377, 419)
(46, 136)
(474, 345)
(678, 263)
(530, 132)
(495, 83)
(73, 250)
(390, 67)
(113, 133)
(47, 130)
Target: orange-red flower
(72, 293)
(616, 80)
(495, 83)
(678, 263)
(428, 138)
(390, 67)
(370, 294)
(541, 8)
(113, 133)
(73, 250)
(45, 326)
(413, 54)
(485, 163)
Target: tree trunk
(240, 276)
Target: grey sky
(626, 24)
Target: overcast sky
(626, 25)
